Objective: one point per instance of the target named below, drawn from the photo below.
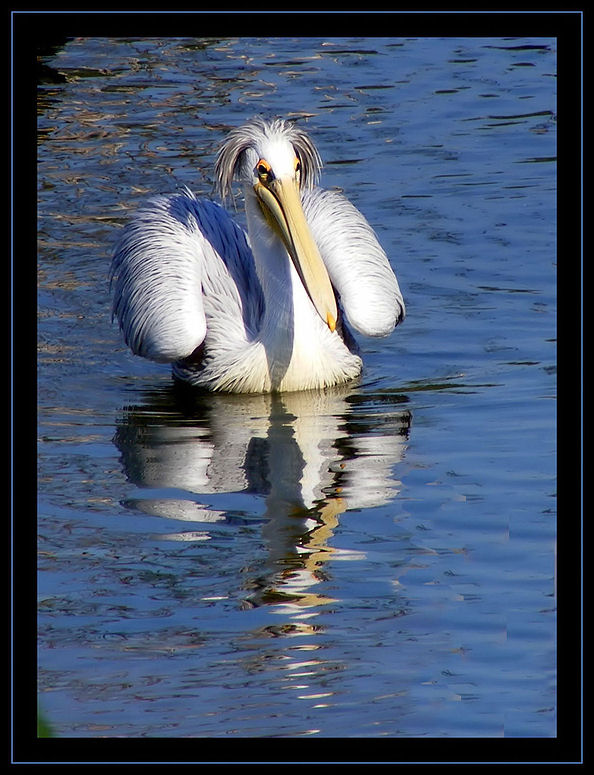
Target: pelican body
(262, 311)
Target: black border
(35, 31)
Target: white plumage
(263, 311)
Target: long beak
(280, 199)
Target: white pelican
(263, 311)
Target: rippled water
(372, 561)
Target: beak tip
(331, 322)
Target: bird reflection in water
(310, 455)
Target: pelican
(264, 311)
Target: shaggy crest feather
(239, 152)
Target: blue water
(375, 561)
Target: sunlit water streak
(373, 561)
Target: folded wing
(178, 263)
(358, 266)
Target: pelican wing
(358, 267)
(178, 263)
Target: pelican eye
(263, 169)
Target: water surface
(375, 560)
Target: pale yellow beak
(280, 199)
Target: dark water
(377, 560)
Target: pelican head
(277, 161)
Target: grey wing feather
(357, 264)
(176, 247)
